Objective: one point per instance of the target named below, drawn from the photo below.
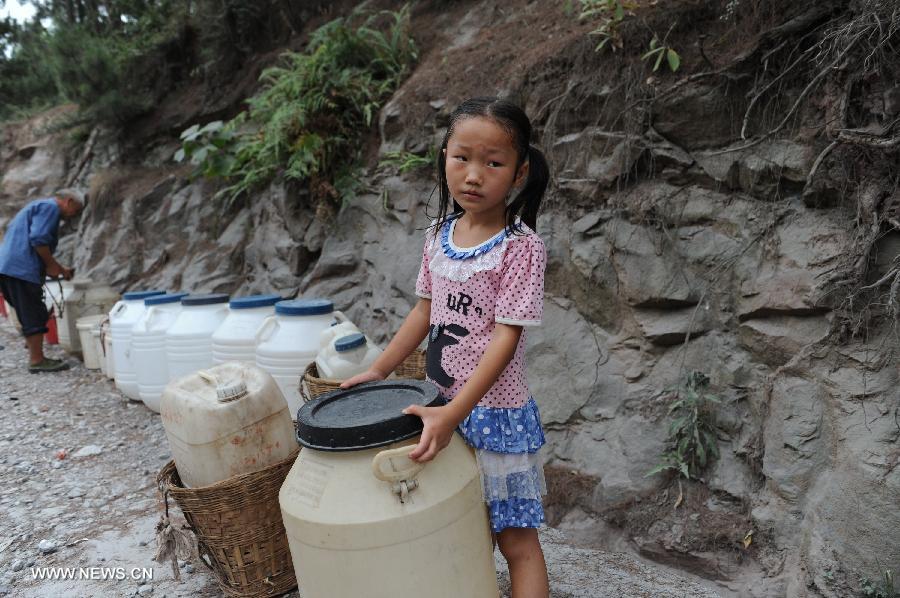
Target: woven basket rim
(312, 372)
(167, 476)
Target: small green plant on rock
(405, 161)
(207, 148)
(692, 442)
(883, 589)
(660, 50)
(610, 15)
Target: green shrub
(314, 108)
(692, 442)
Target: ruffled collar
(452, 251)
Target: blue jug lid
(252, 301)
(162, 299)
(349, 342)
(136, 295)
(304, 307)
(211, 299)
(365, 416)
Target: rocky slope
(673, 246)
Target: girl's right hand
(367, 376)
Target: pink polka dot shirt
(471, 290)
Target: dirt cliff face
(675, 245)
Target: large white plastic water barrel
(148, 346)
(235, 338)
(289, 341)
(90, 351)
(364, 520)
(86, 298)
(346, 357)
(121, 320)
(189, 338)
(224, 421)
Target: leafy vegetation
(118, 58)
(308, 119)
(610, 14)
(881, 589)
(692, 442)
(405, 161)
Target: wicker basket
(240, 535)
(311, 386)
(413, 366)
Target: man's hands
(56, 270)
(439, 424)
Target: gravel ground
(78, 465)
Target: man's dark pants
(27, 298)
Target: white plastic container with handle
(189, 338)
(122, 318)
(235, 338)
(289, 341)
(148, 346)
(346, 357)
(224, 421)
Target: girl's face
(481, 166)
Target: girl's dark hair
(513, 119)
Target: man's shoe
(48, 365)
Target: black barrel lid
(365, 416)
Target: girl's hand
(439, 426)
(367, 376)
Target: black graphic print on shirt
(439, 337)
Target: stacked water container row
(157, 337)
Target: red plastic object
(52, 336)
(3, 311)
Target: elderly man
(26, 256)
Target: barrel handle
(401, 480)
(122, 306)
(208, 377)
(262, 333)
(339, 316)
(395, 475)
(150, 313)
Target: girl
(483, 265)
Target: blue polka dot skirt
(506, 443)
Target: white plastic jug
(86, 298)
(189, 338)
(86, 326)
(289, 342)
(336, 331)
(225, 421)
(364, 520)
(121, 320)
(346, 357)
(235, 338)
(148, 346)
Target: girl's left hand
(438, 429)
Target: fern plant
(306, 122)
(692, 442)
